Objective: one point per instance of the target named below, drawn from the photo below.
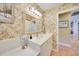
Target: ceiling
(46, 6)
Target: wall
(64, 33)
(18, 25)
(50, 17)
(16, 28)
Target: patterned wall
(50, 17)
(17, 27)
(12, 30)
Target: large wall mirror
(30, 26)
(33, 26)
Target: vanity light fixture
(34, 11)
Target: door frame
(60, 12)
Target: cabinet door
(46, 48)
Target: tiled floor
(68, 51)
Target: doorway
(69, 33)
(64, 28)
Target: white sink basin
(40, 39)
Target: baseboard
(65, 44)
(57, 49)
(54, 49)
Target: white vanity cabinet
(43, 44)
(46, 48)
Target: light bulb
(40, 14)
(36, 12)
(32, 9)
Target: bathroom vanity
(42, 43)
(37, 46)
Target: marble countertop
(41, 39)
(22, 52)
(30, 51)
